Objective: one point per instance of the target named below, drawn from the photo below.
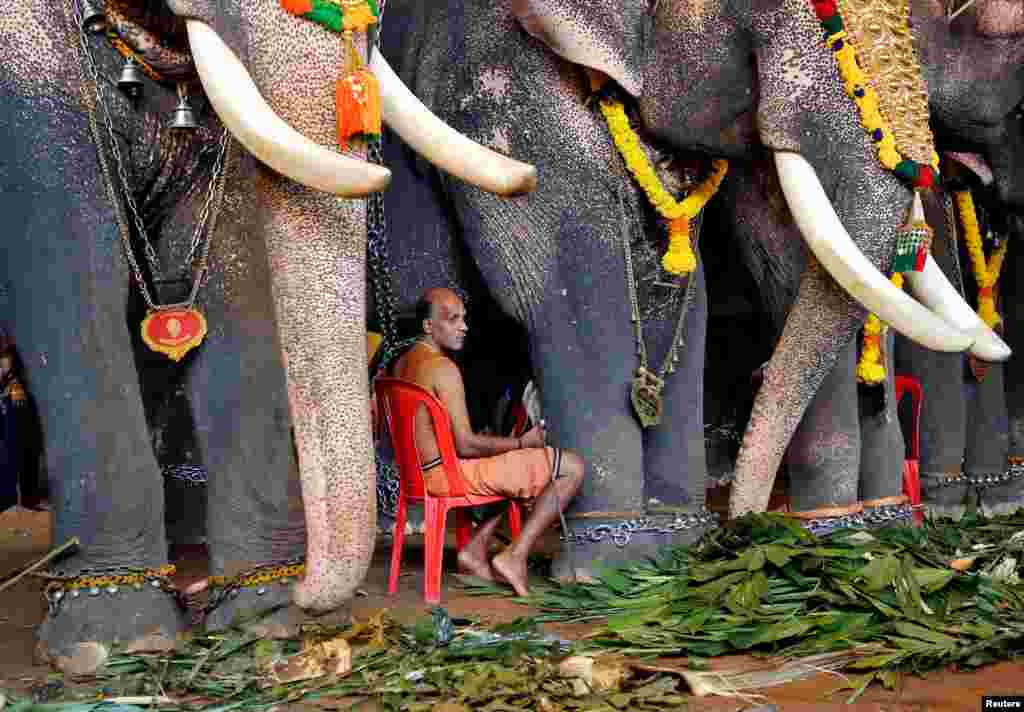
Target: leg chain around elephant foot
(952, 494)
(594, 540)
(137, 610)
(871, 514)
(258, 600)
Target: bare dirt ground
(25, 537)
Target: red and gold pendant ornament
(357, 95)
(174, 332)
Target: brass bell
(130, 81)
(94, 16)
(183, 117)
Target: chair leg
(397, 542)
(912, 486)
(463, 528)
(515, 518)
(433, 558)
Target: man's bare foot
(469, 563)
(513, 570)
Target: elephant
(284, 298)
(966, 438)
(720, 79)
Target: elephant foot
(261, 602)
(946, 494)
(1001, 494)
(89, 617)
(595, 543)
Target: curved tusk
(442, 145)
(935, 291)
(840, 256)
(247, 116)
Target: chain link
(672, 355)
(1015, 472)
(110, 579)
(621, 533)
(89, 73)
(868, 519)
(191, 475)
(222, 588)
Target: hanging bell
(183, 117)
(130, 81)
(94, 16)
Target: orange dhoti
(518, 474)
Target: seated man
(520, 468)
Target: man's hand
(536, 436)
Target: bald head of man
(442, 317)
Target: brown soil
(25, 537)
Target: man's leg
(511, 563)
(473, 557)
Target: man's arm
(449, 388)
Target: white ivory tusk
(247, 116)
(442, 145)
(935, 291)
(839, 255)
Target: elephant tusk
(839, 255)
(247, 116)
(935, 291)
(442, 145)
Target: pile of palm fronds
(398, 667)
(909, 598)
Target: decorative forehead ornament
(357, 94)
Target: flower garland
(914, 174)
(870, 369)
(357, 94)
(986, 272)
(679, 258)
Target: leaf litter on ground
(894, 599)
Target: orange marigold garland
(870, 369)
(986, 272)
(357, 94)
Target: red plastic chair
(911, 466)
(400, 400)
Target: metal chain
(952, 234)
(868, 519)
(219, 594)
(672, 355)
(191, 475)
(377, 255)
(620, 534)
(1013, 473)
(88, 72)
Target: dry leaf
(603, 674)
(331, 657)
(963, 564)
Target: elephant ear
(606, 35)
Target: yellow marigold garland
(679, 258)
(986, 272)
(870, 369)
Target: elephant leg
(675, 464)
(823, 459)
(943, 427)
(819, 327)
(987, 443)
(882, 447)
(64, 285)
(240, 409)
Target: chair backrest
(401, 400)
(909, 384)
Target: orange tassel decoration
(357, 99)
